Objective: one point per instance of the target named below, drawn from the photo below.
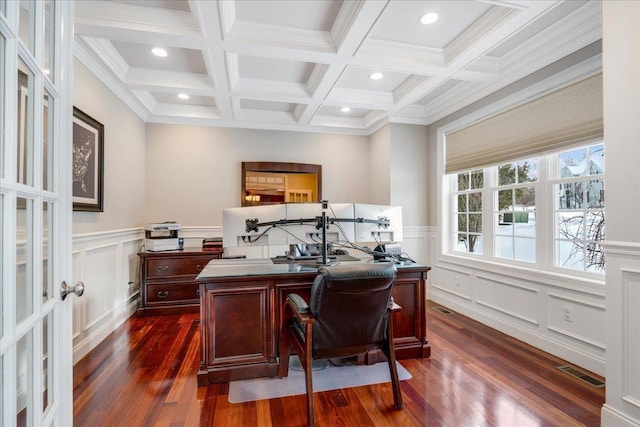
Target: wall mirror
(268, 183)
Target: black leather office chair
(349, 314)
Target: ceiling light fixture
(429, 18)
(375, 76)
(183, 96)
(345, 109)
(158, 51)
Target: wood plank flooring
(144, 374)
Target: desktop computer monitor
(373, 232)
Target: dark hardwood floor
(144, 374)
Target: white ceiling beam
(209, 19)
(139, 78)
(133, 23)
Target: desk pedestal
(241, 315)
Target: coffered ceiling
(295, 64)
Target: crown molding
(80, 53)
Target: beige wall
(380, 166)
(409, 183)
(124, 156)
(193, 172)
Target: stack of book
(212, 244)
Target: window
(547, 211)
(579, 209)
(468, 211)
(515, 229)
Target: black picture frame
(88, 162)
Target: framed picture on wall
(88, 162)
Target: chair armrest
(393, 307)
(300, 308)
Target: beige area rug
(327, 377)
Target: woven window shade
(552, 122)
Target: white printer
(163, 236)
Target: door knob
(65, 289)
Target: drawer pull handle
(198, 267)
(165, 268)
(198, 292)
(163, 294)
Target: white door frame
(30, 367)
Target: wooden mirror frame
(279, 167)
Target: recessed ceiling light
(345, 109)
(158, 51)
(183, 96)
(375, 76)
(429, 18)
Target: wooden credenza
(240, 316)
(168, 280)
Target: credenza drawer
(168, 280)
(172, 293)
(172, 267)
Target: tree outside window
(580, 226)
(468, 211)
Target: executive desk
(240, 316)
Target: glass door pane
(47, 141)
(49, 39)
(48, 260)
(24, 259)
(2, 92)
(24, 379)
(27, 25)
(25, 124)
(47, 358)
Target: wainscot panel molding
(106, 262)
(560, 314)
(622, 407)
(417, 243)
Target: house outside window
(579, 208)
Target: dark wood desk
(240, 314)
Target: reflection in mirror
(266, 183)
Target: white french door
(36, 40)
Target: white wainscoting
(560, 315)
(106, 262)
(622, 407)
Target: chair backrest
(349, 303)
